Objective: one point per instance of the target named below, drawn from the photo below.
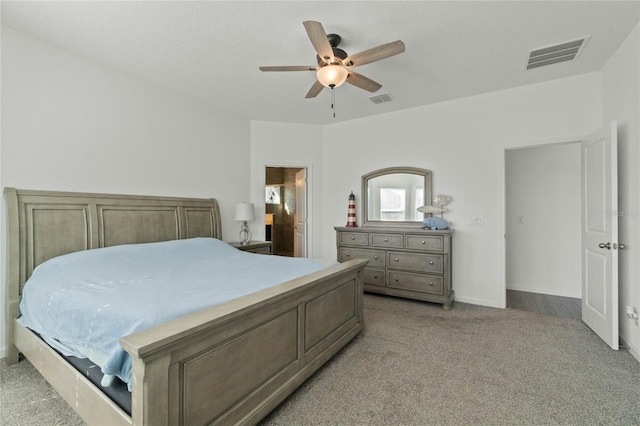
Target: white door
(600, 234)
(300, 227)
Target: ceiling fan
(334, 65)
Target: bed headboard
(45, 224)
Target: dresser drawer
(261, 250)
(354, 238)
(416, 262)
(386, 240)
(424, 242)
(432, 284)
(375, 257)
(373, 277)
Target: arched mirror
(391, 196)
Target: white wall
(288, 145)
(75, 125)
(462, 142)
(621, 102)
(543, 216)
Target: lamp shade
(332, 75)
(244, 211)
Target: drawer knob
(397, 260)
(386, 240)
(431, 284)
(375, 276)
(431, 262)
(424, 242)
(353, 238)
(397, 279)
(375, 257)
(346, 254)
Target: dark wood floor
(558, 306)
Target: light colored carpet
(417, 364)
(27, 399)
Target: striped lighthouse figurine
(351, 211)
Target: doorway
(542, 224)
(284, 210)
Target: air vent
(567, 51)
(382, 98)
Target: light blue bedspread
(82, 303)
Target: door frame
(576, 143)
(502, 297)
(309, 169)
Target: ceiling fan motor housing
(337, 53)
(334, 41)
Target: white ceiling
(211, 50)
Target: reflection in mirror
(272, 194)
(392, 196)
(396, 197)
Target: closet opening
(542, 224)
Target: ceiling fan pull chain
(333, 101)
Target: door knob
(605, 245)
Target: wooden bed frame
(227, 364)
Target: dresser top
(395, 229)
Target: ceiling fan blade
(319, 40)
(363, 82)
(288, 68)
(374, 54)
(315, 89)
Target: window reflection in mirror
(392, 203)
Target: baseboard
(3, 353)
(550, 291)
(481, 302)
(633, 351)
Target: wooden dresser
(407, 262)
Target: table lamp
(244, 212)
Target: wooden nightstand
(260, 247)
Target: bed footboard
(234, 363)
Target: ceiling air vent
(566, 51)
(381, 98)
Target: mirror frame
(426, 174)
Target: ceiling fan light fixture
(332, 75)
(335, 65)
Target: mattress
(83, 302)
